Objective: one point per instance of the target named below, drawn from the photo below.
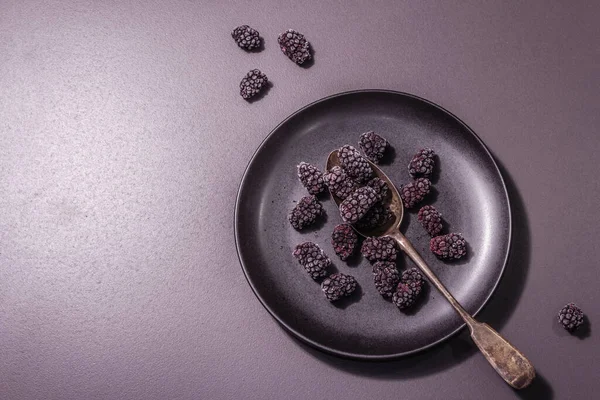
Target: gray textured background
(123, 140)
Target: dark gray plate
(469, 192)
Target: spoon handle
(508, 362)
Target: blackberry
(340, 184)
(570, 317)
(378, 215)
(356, 206)
(431, 219)
(306, 212)
(380, 187)
(452, 245)
(344, 240)
(373, 146)
(294, 45)
(422, 163)
(246, 37)
(338, 285)
(379, 249)
(253, 83)
(355, 165)
(412, 277)
(406, 294)
(414, 192)
(386, 278)
(313, 259)
(311, 178)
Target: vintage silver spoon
(509, 362)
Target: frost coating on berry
(431, 219)
(306, 212)
(380, 187)
(412, 277)
(311, 177)
(373, 146)
(313, 259)
(450, 246)
(414, 192)
(356, 206)
(355, 165)
(338, 285)
(253, 83)
(379, 249)
(246, 37)
(386, 278)
(570, 317)
(294, 45)
(344, 240)
(339, 183)
(378, 215)
(406, 294)
(422, 163)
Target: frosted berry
(313, 259)
(422, 163)
(570, 317)
(338, 285)
(294, 45)
(373, 146)
(246, 37)
(380, 187)
(431, 219)
(356, 206)
(378, 215)
(354, 164)
(311, 177)
(450, 246)
(253, 83)
(379, 249)
(344, 240)
(406, 294)
(306, 212)
(414, 192)
(339, 183)
(386, 278)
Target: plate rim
(303, 338)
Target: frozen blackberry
(253, 83)
(338, 285)
(306, 212)
(294, 45)
(380, 187)
(373, 146)
(412, 277)
(379, 249)
(313, 259)
(356, 206)
(431, 219)
(378, 215)
(414, 192)
(355, 165)
(422, 163)
(406, 294)
(450, 246)
(246, 37)
(386, 278)
(570, 317)
(344, 240)
(311, 178)
(340, 184)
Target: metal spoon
(509, 362)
